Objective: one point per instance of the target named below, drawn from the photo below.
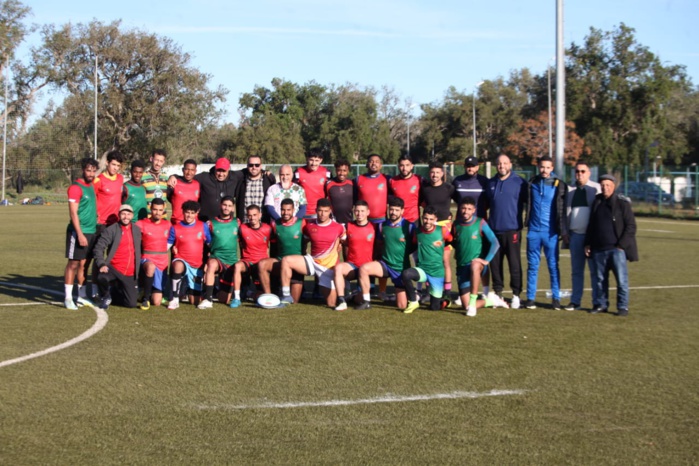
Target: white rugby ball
(268, 301)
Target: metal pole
(408, 135)
(548, 72)
(95, 106)
(473, 99)
(560, 90)
(4, 136)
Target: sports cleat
(445, 303)
(363, 306)
(515, 302)
(105, 302)
(84, 302)
(556, 305)
(234, 303)
(173, 304)
(205, 304)
(471, 311)
(145, 305)
(286, 299)
(411, 307)
(341, 306)
(457, 301)
(498, 301)
(70, 305)
(572, 307)
(530, 304)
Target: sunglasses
(254, 165)
(580, 171)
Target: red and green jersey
(135, 196)
(108, 190)
(324, 241)
(468, 241)
(313, 183)
(288, 237)
(397, 243)
(124, 260)
(84, 195)
(189, 239)
(254, 242)
(407, 189)
(360, 243)
(224, 239)
(430, 250)
(154, 241)
(184, 191)
(374, 190)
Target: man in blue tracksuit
(546, 221)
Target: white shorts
(325, 275)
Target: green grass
(161, 387)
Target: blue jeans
(536, 240)
(614, 260)
(577, 264)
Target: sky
(417, 47)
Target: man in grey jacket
(117, 259)
(578, 205)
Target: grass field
(310, 385)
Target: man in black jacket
(122, 243)
(610, 241)
(251, 187)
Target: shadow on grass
(43, 288)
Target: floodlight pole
(4, 136)
(560, 90)
(96, 106)
(473, 99)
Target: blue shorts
(160, 278)
(463, 276)
(436, 283)
(194, 276)
(392, 274)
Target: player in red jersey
(324, 235)
(372, 187)
(407, 186)
(312, 179)
(358, 247)
(186, 189)
(187, 239)
(254, 239)
(155, 259)
(108, 189)
(340, 191)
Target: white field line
(53, 303)
(100, 323)
(659, 287)
(381, 399)
(656, 231)
(682, 223)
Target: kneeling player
(254, 247)
(154, 260)
(468, 233)
(324, 236)
(430, 240)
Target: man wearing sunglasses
(578, 203)
(252, 186)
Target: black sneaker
(530, 304)
(622, 312)
(105, 302)
(556, 305)
(572, 307)
(598, 309)
(363, 307)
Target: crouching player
(287, 240)
(324, 236)
(254, 238)
(154, 260)
(471, 262)
(358, 247)
(187, 239)
(224, 253)
(430, 240)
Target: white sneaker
(457, 301)
(515, 302)
(205, 304)
(341, 307)
(471, 311)
(499, 302)
(174, 304)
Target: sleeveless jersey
(254, 243)
(224, 239)
(154, 242)
(324, 240)
(407, 189)
(360, 243)
(84, 195)
(341, 195)
(108, 191)
(373, 190)
(313, 183)
(190, 240)
(396, 243)
(468, 241)
(135, 196)
(289, 237)
(182, 193)
(430, 250)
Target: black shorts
(74, 251)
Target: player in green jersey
(223, 253)
(468, 234)
(430, 240)
(287, 240)
(134, 194)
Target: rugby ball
(268, 301)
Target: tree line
(623, 105)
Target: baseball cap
(471, 162)
(223, 164)
(126, 207)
